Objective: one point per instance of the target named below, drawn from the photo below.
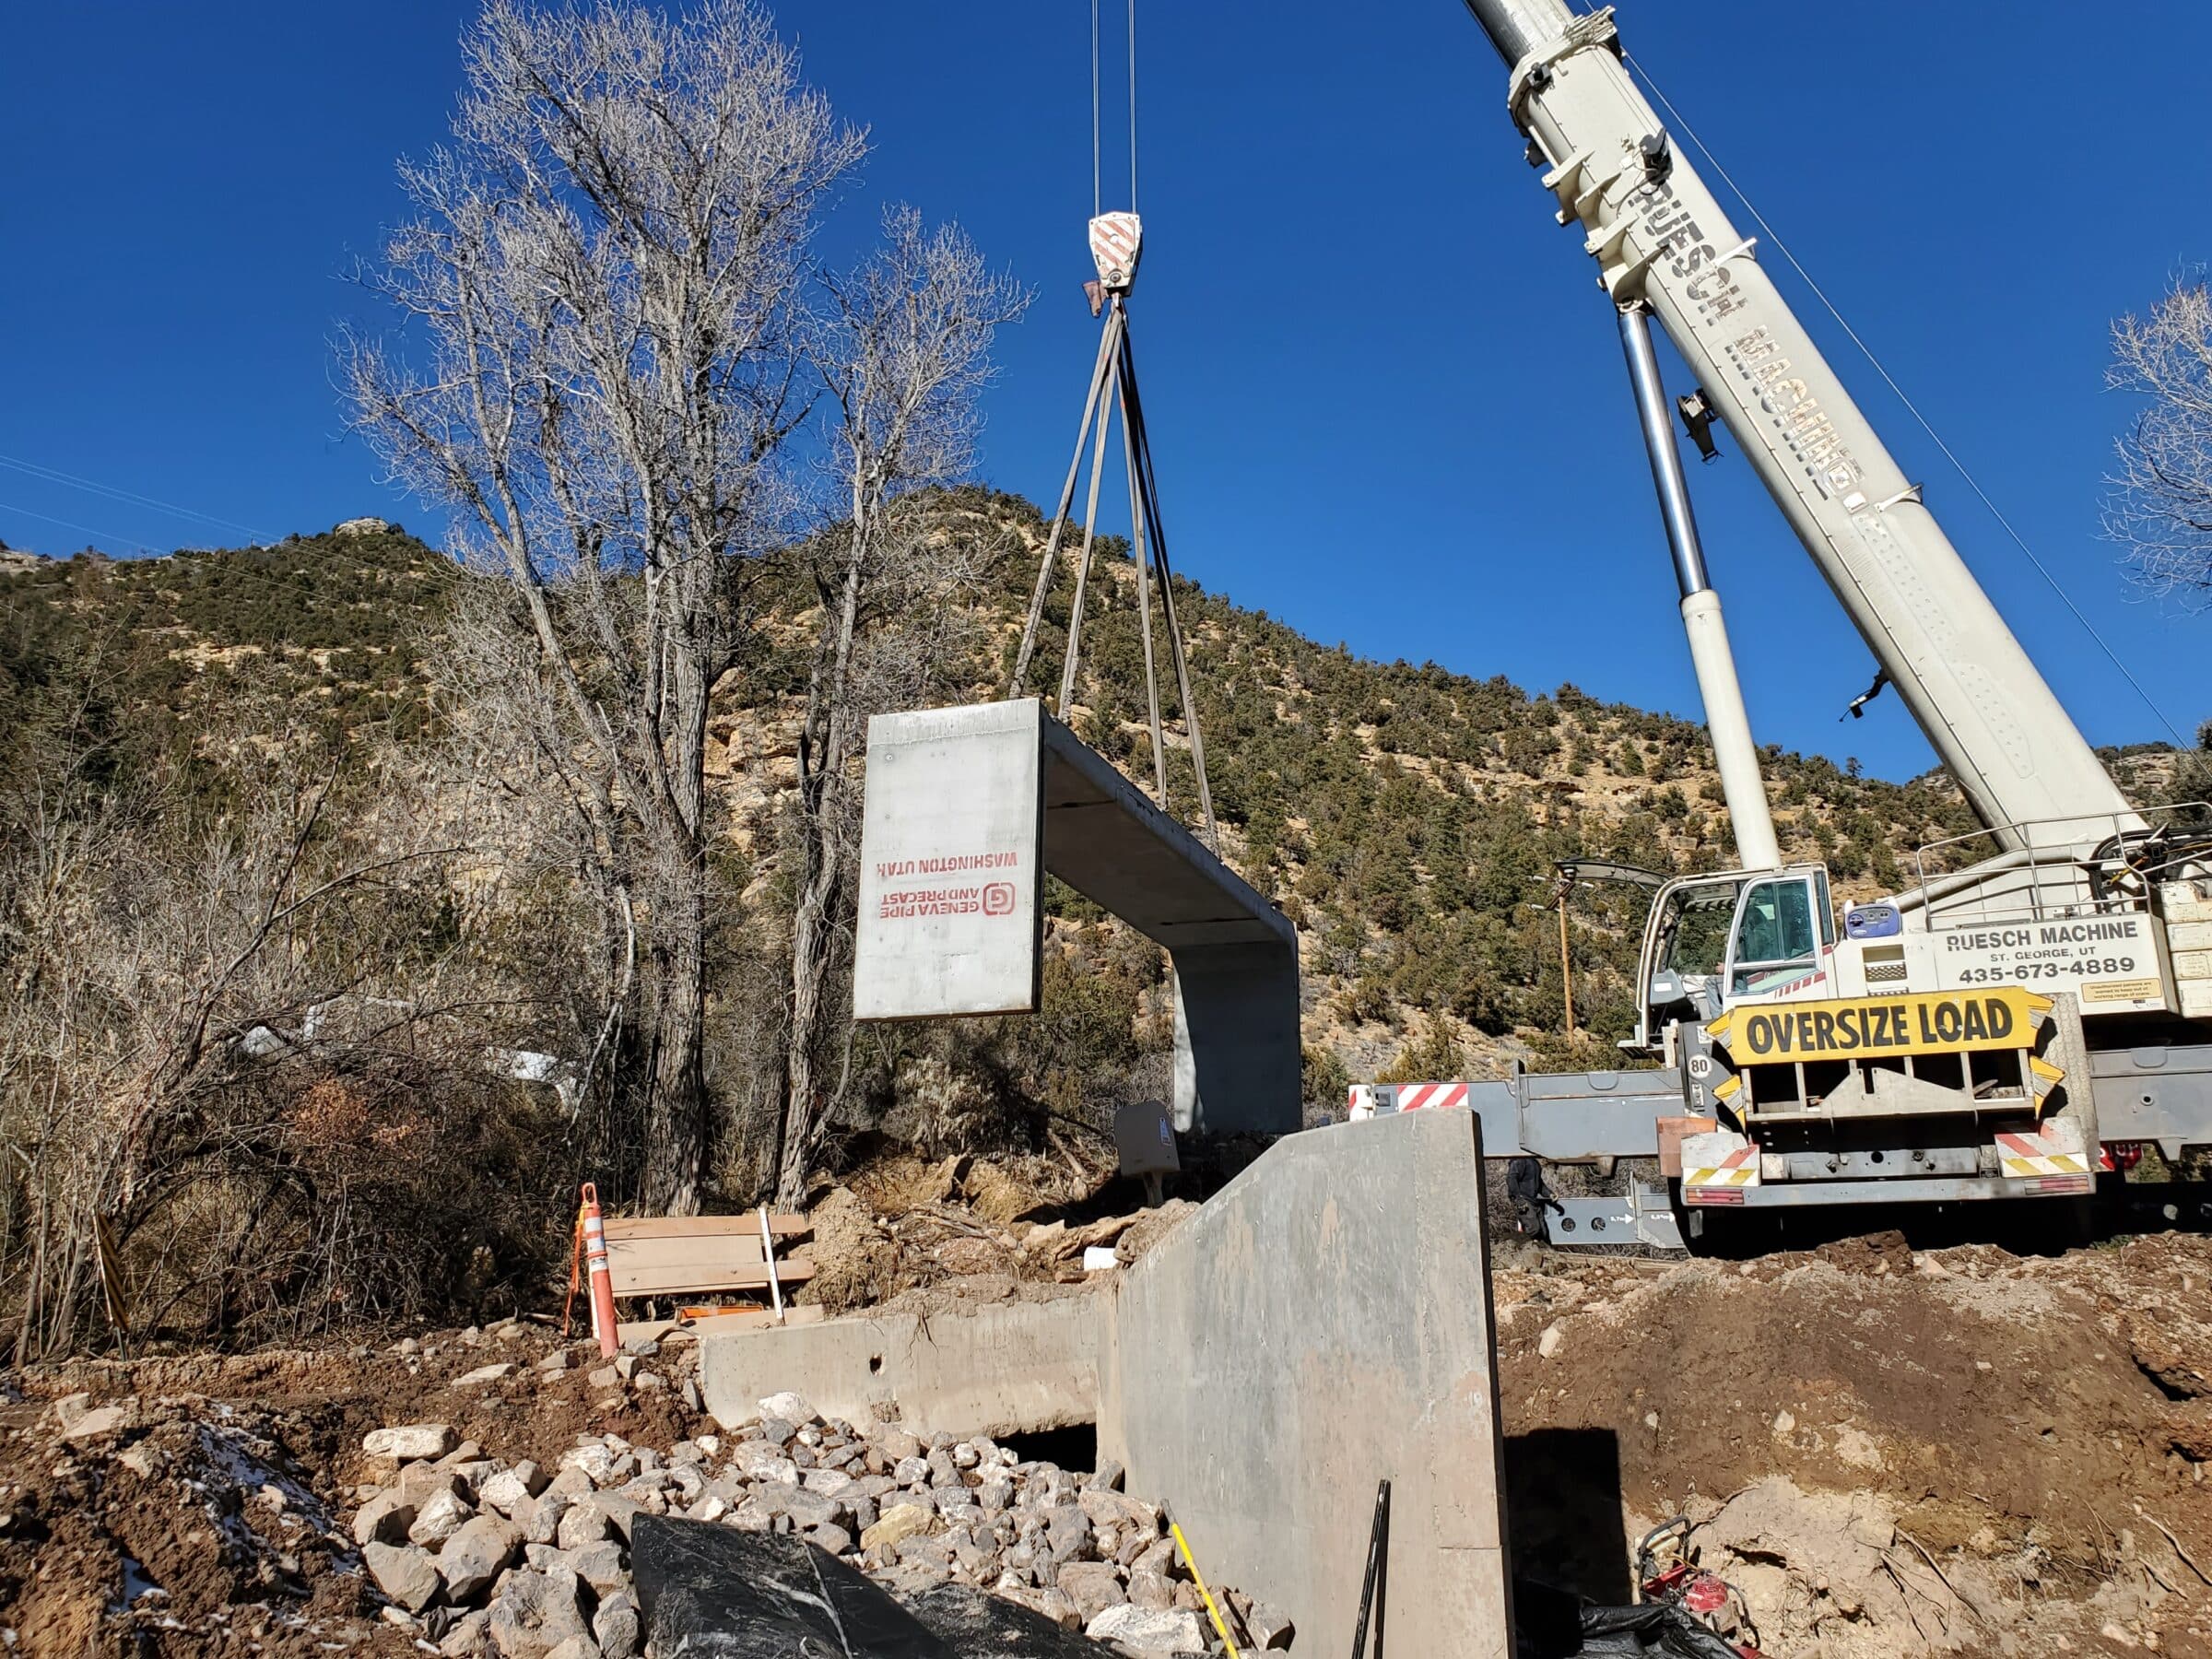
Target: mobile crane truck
(2001, 1030)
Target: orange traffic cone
(602, 1277)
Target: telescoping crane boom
(2000, 1030)
(1660, 239)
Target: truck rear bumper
(1939, 1189)
(1721, 1169)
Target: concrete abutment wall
(1322, 1323)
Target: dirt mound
(2012, 1443)
(901, 1231)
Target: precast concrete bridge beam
(968, 808)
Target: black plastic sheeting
(712, 1592)
(977, 1624)
(1553, 1624)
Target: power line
(1910, 407)
(54, 475)
(234, 565)
(39, 469)
(71, 524)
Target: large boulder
(409, 1442)
(535, 1613)
(438, 1520)
(1142, 1632)
(384, 1519)
(402, 1572)
(476, 1554)
(1093, 1586)
(509, 1489)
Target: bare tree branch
(2160, 506)
(606, 286)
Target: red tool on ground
(1666, 1572)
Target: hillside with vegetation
(1405, 817)
(284, 744)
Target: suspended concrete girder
(968, 808)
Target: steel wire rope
(262, 540)
(1132, 7)
(54, 474)
(1910, 407)
(1097, 188)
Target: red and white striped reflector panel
(1414, 1097)
(1117, 243)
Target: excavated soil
(1891, 1453)
(211, 1518)
(1887, 1452)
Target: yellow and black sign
(1933, 1022)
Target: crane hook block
(1117, 243)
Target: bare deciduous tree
(607, 273)
(2161, 508)
(902, 354)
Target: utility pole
(1566, 962)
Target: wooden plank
(682, 1283)
(695, 1277)
(683, 1227)
(629, 1255)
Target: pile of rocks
(480, 1556)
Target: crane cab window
(1694, 936)
(1777, 938)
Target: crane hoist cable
(1116, 246)
(1098, 194)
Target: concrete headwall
(1002, 1367)
(1322, 1324)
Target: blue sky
(1386, 399)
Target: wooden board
(647, 1256)
(683, 1227)
(648, 1268)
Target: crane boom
(1661, 238)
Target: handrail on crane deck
(2061, 876)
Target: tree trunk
(821, 792)
(810, 981)
(676, 1107)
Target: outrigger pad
(713, 1591)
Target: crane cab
(1736, 936)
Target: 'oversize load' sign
(1940, 1021)
(951, 846)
